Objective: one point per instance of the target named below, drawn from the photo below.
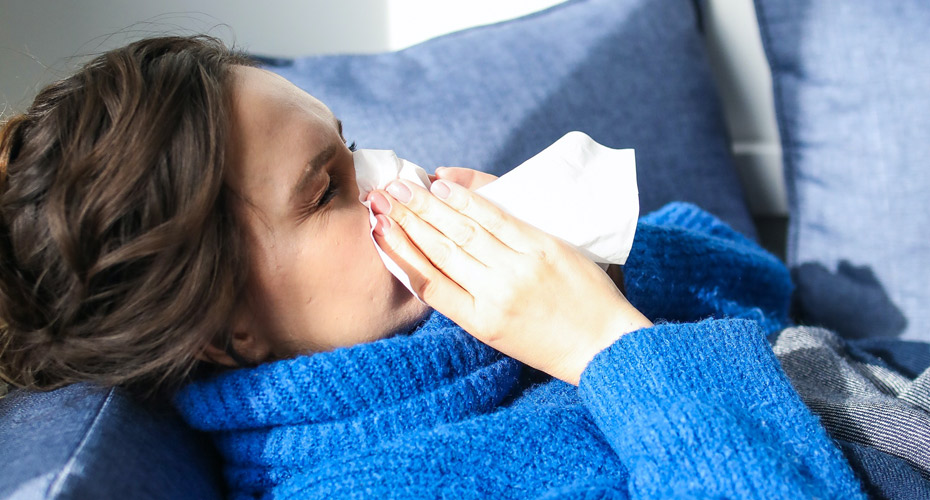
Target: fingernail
(440, 189)
(379, 204)
(383, 224)
(399, 191)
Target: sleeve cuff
(704, 408)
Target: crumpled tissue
(575, 189)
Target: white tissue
(576, 190)
(375, 169)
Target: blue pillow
(852, 90)
(630, 73)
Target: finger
(469, 178)
(432, 286)
(509, 230)
(451, 259)
(465, 233)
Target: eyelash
(331, 191)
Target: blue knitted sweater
(695, 407)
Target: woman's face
(316, 280)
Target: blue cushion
(630, 73)
(852, 88)
(80, 442)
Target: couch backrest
(85, 442)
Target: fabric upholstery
(81, 442)
(629, 73)
(852, 90)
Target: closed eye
(332, 189)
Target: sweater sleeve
(687, 265)
(703, 410)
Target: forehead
(276, 129)
(258, 93)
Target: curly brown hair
(120, 257)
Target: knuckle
(427, 289)
(541, 255)
(547, 252)
(417, 203)
(442, 255)
(465, 234)
(423, 207)
(401, 217)
(494, 222)
(463, 201)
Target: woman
(170, 210)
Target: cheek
(335, 291)
(351, 250)
(324, 260)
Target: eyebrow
(318, 162)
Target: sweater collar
(346, 382)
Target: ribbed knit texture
(699, 409)
(686, 265)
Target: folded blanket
(864, 401)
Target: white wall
(413, 21)
(42, 40)
(39, 39)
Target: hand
(513, 287)
(468, 178)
